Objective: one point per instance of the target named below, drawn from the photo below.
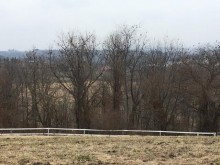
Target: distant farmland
(39, 150)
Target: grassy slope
(109, 150)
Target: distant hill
(20, 54)
(11, 54)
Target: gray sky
(29, 23)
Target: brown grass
(39, 150)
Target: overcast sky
(29, 23)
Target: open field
(39, 150)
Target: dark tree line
(123, 83)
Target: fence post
(48, 131)
(160, 133)
(197, 133)
(84, 132)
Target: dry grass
(38, 150)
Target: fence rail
(73, 131)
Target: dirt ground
(42, 150)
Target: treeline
(123, 83)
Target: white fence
(70, 131)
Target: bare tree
(76, 69)
(203, 71)
(9, 94)
(119, 49)
(162, 85)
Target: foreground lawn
(39, 150)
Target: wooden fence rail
(73, 131)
